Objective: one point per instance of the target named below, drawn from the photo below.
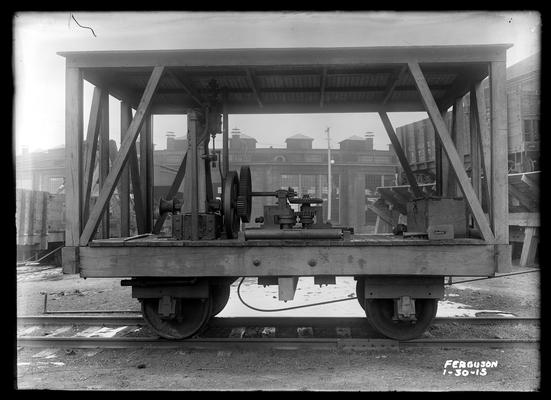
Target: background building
(523, 121)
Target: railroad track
(251, 333)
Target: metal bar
(256, 234)
(225, 138)
(192, 129)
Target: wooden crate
(423, 213)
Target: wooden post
(122, 157)
(104, 157)
(91, 149)
(529, 246)
(124, 188)
(146, 172)
(484, 144)
(499, 168)
(73, 168)
(457, 138)
(400, 153)
(475, 148)
(451, 152)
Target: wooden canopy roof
(290, 80)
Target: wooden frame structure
(295, 80)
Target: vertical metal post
(192, 130)
(328, 176)
(225, 138)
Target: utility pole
(328, 176)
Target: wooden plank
(172, 192)
(524, 219)
(225, 139)
(91, 149)
(288, 56)
(532, 184)
(498, 82)
(137, 190)
(377, 259)
(529, 247)
(384, 214)
(70, 259)
(194, 203)
(124, 187)
(114, 174)
(524, 200)
(287, 287)
(104, 157)
(450, 151)
(73, 151)
(475, 145)
(400, 153)
(484, 144)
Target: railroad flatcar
(183, 280)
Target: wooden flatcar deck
(363, 255)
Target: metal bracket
(167, 307)
(404, 309)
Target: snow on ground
(345, 287)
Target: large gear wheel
(244, 200)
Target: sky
(39, 73)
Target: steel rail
(267, 343)
(249, 321)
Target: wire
(286, 308)
(493, 277)
(355, 297)
(86, 27)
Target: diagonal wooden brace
(400, 153)
(450, 150)
(124, 152)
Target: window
(531, 129)
(54, 183)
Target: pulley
(229, 200)
(244, 199)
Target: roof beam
(394, 79)
(186, 86)
(322, 88)
(252, 81)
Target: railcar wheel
(191, 317)
(220, 294)
(380, 314)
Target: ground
(407, 369)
